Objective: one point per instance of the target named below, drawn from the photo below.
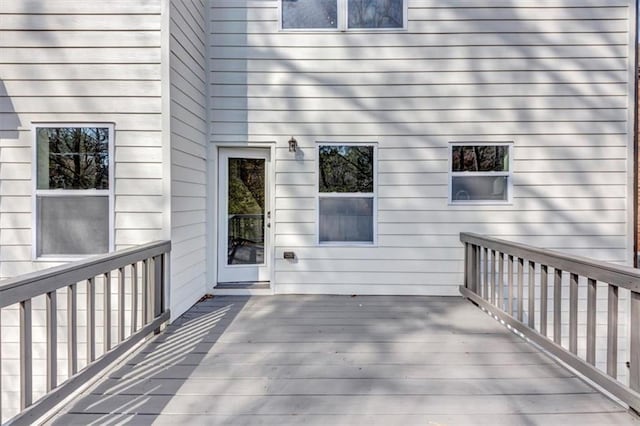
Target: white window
(480, 173)
(346, 193)
(73, 189)
(343, 15)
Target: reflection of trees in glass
(309, 13)
(375, 14)
(246, 186)
(481, 158)
(346, 168)
(78, 157)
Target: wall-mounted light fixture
(293, 144)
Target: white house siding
(76, 61)
(553, 77)
(549, 76)
(188, 76)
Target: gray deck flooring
(337, 360)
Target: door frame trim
(212, 216)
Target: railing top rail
(619, 275)
(34, 284)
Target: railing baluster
(592, 288)
(72, 329)
(145, 291)
(485, 283)
(500, 280)
(634, 345)
(532, 294)
(510, 284)
(91, 320)
(107, 313)
(52, 340)
(158, 285)
(520, 289)
(134, 297)
(544, 276)
(26, 358)
(473, 272)
(557, 306)
(467, 267)
(573, 314)
(612, 331)
(492, 271)
(121, 299)
(478, 269)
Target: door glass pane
(245, 211)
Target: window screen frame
(373, 195)
(41, 193)
(342, 24)
(508, 174)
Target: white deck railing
(139, 275)
(502, 293)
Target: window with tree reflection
(480, 173)
(73, 190)
(346, 188)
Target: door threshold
(243, 288)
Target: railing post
(634, 359)
(510, 285)
(26, 374)
(592, 288)
(121, 300)
(532, 294)
(492, 271)
(467, 268)
(158, 286)
(501, 280)
(91, 320)
(557, 306)
(107, 312)
(72, 330)
(52, 340)
(520, 289)
(573, 313)
(612, 331)
(544, 298)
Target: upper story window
(480, 173)
(73, 189)
(346, 193)
(343, 14)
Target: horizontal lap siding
(71, 61)
(550, 76)
(76, 61)
(189, 126)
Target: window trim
(373, 195)
(110, 193)
(342, 24)
(452, 174)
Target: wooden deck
(336, 360)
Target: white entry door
(244, 215)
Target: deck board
(341, 360)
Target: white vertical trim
(631, 129)
(165, 72)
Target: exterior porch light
(293, 144)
